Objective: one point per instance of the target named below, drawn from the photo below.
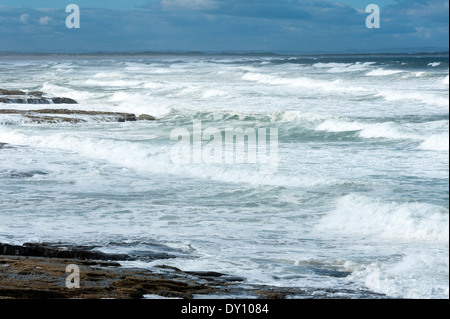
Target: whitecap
(382, 72)
(361, 215)
(436, 143)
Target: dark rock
(37, 101)
(43, 278)
(44, 250)
(26, 174)
(130, 118)
(210, 275)
(36, 93)
(11, 92)
(146, 117)
(63, 100)
(32, 97)
(49, 114)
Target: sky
(303, 26)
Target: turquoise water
(358, 199)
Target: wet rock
(36, 93)
(63, 100)
(146, 117)
(37, 271)
(33, 97)
(130, 118)
(45, 250)
(52, 115)
(210, 275)
(53, 119)
(11, 92)
(26, 174)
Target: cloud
(176, 5)
(45, 20)
(417, 10)
(24, 17)
(281, 9)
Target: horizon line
(418, 51)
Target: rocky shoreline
(49, 115)
(38, 271)
(35, 271)
(32, 97)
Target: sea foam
(362, 216)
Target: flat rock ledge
(38, 271)
(59, 115)
(32, 97)
(74, 116)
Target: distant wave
(366, 130)
(382, 72)
(336, 85)
(434, 64)
(427, 98)
(334, 67)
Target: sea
(354, 198)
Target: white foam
(109, 75)
(114, 83)
(415, 276)
(321, 65)
(436, 143)
(382, 72)
(295, 116)
(157, 160)
(344, 67)
(212, 93)
(434, 64)
(303, 82)
(138, 103)
(446, 80)
(367, 130)
(427, 98)
(57, 90)
(360, 215)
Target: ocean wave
(427, 98)
(303, 82)
(414, 276)
(436, 143)
(157, 160)
(114, 83)
(78, 95)
(382, 72)
(361, 215)
(366, 130)
(140, 103)
(109, 75)
(434, 64)
(344, 67)
(212, 93)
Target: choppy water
(359, 199)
